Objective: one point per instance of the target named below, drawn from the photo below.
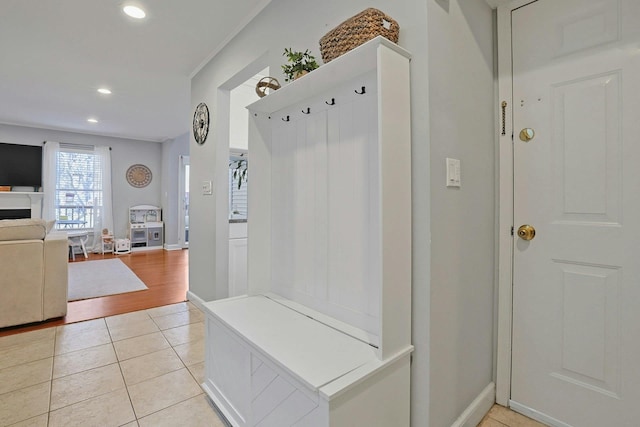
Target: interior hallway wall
(461, 97)
(171, 152)
(124, 153)
(451, 123)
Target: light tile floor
(499, 416)
(137, 369)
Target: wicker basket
(357, 30)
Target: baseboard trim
(535, 415)
(474, 413)
(172, 247)
(196, 300)
(146, 248)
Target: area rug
(92, 279)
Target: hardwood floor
(166, 274)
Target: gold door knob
(527, 134)
(526, 232)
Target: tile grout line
(53, 364)
(54, 359)
(170, 406)
(184, 366)
(86, 370)
(126, 387)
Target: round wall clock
(201, 123)
(138, 176)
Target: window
(79, 193)
(238, 176)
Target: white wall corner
(474, 413)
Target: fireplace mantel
(22, 200)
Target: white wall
(241, 96)
(171, 152)
(460, 45)
(461, 126)
(124, 153)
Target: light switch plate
(207, 188)
(453, 172)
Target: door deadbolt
(527, 134)
(526, 232)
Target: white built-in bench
(323, 337)
(271, 365)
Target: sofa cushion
(22, 229)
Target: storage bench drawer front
(228, 372)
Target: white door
(183, 208)
(576, 285)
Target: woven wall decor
(267, 85)
(357, 30)
(139, 176)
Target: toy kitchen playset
(145, 227)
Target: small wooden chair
(78, 239)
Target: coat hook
(333, 102)
(362, 92)
(308, 111)
(285, 120)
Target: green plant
(298, 62)
(240, 172)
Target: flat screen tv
(21, 165)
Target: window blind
(79, 194)
(238, 204)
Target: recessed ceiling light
(92, 120)
(134, 12)
(104, 91)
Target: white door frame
(184, 160)
(505, 210)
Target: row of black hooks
(362, 91)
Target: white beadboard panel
(317, 131)
(350, 227)
(325, 204)
(283, 174)
(309, 238)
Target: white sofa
(33, 272)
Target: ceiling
(55, 54)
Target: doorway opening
(183, 209)
(239, 97)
